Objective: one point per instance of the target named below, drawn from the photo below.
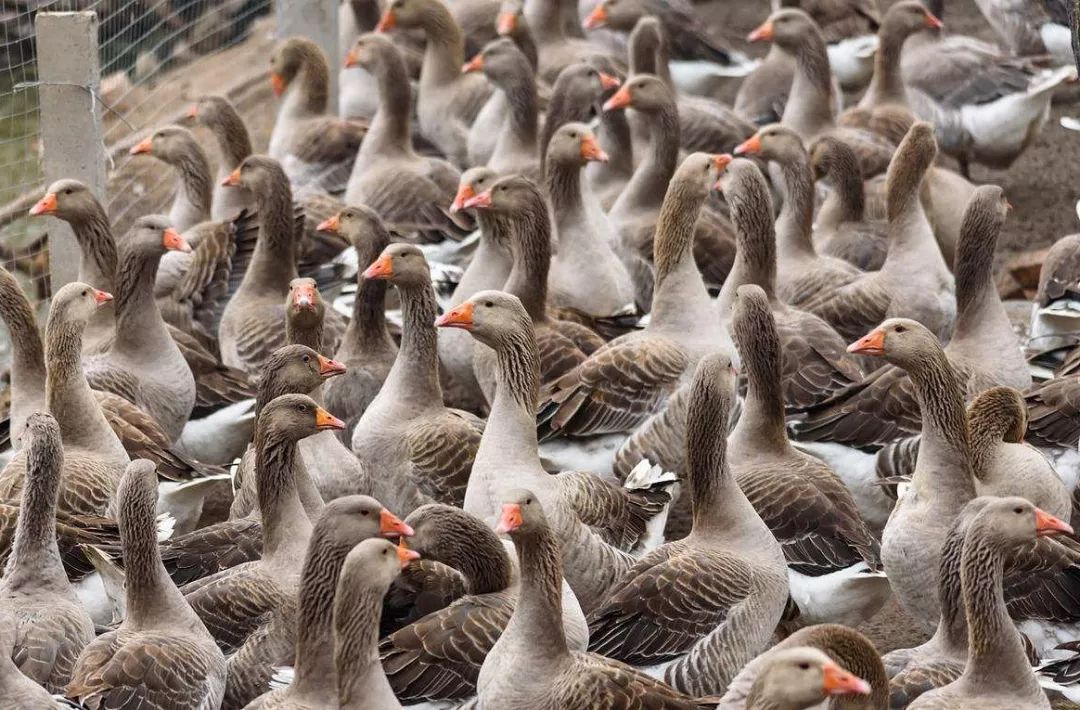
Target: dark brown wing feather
(442, 451)
(1054, 412)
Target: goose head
(403, 265)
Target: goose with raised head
(422, 450)
(849, 28)
(316, 149)
(143, 363)
(636, 212)
(438, 657)
(561, 678)
(161, 655)
(509, 71)
(94, 458)
(857, 416)
(447, 101)
(44, 624)
(389, 177)
(844, 647)
(215, 548)
(596, 520)
(943, 480)
(302, 630)
(833, 559)
(367, 351)
(797, 678)
(584, 239)
(233, 603)
(525, 213)
(997, 674)
(842, 228)
(488, 268)
(801, 273)
(251, 323)
(704, 124)
(914, 282)
(900, 22)
(177, 147)
(630, 378)
(366, 575)
(730, 570)
(358, 95)
(809, 110)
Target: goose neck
(795, 222)
(286, 527)
(888, 82)
(650, 181)
(138, 320)
(392, 126)
(847, 184)
(416, 368)
(480, 557)
(93, 232)
(531, 250)
(952, 628)
(35, 555)
(755, 241)
(445, 52)
(274, 260)
(538, 613)
(195, 192)
(945, 446)
(367, 330)
(545, 17)
(809, 109)
(69, 397)
(360, 674)
(28, 352)
(233, 139)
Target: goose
(843, 647)
(161, 654)
(982, 327)
(1030, 30)
(176, 146)
(997, 674)
(367, 573)
(422, 450)
(358, 96)
(44, 625)
(597, 520)
(367, 351)
(730, 570)
(901, 21)
(302, 629)
(315, 149)
(798, 678)
(914, 282)
(563, 344)
(402, 187)
(534, 635)
(220, 117)
(629, 379)
(251, 322)
(842, 228)
(801, 273)
(849, 28)
(143, 363)
(94, 458)
(233, 603)
(438, 657)
(833, 559)
(447, 100)
(557, 48)
(509, 71)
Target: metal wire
(154, 56)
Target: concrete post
(318, 21)
(71, 134)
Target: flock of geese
(666, 399)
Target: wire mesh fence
(155, 56)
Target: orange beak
(764, 32)
(608, 82)
(511, 518)
(933, 22)
(507, 24)
(405, 555)
(330, 225)
(146, 145)
(591, 150)
(750, 146)
(173, 241)
(46, 205)
(837, 681)
(721, 162)
(873, 343)
(387, 22)
(621, 99)
(232, 179)
(474, 64)
(305, 296)
(596, 19)
(351, 59)
(193, 112)
(391, 525)
(459, 317)
(330, 368)
(1047, 525)
(481, 201)
(383, 268)
(1009, 206)
(101, 297)
(277, 83)
(464, 194)
(326, 420)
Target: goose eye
(67, 191)
(804, 665)
(307, 358)
(900, 329)
(488, 304)
(85, 293)
(1018, 511)
(363, 512)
